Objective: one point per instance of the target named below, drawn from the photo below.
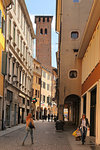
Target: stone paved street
(46, 138)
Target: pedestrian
(51, 117)
(29, 128)
(48, 117)
(83, 125)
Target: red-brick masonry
(92, 79)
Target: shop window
(74, 35)
(73, 74)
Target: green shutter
(4, 63)
(0, 18)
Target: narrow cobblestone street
(45, 138)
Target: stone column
(61, 112)
(98, 114)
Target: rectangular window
(23, 79)
(44, 98)
(20, 76)
(23, 100)
(48, 77)
(44, 74)
(75, 0)
(48, 100)
(13, 67)
(48, 87)
(0, 19)
(39, 80)
(36, 93)
(9, 95)
(44, 85)
(28, 103)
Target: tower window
(45, 31)
(74, 35)
(73, 74)
(48, 19)
(43, 19)
(75, 50)
(41, 31)
(39, 19)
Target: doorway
(84, 104)
(65, 114)
(7, 115)
(22, 115)
(93, 113)
(18, 115)
(15, 115)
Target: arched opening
(71, 108)
(45, 30)
(41, 31)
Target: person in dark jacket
(48, 117)
(83, 125)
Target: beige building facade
(89, 53)
(71, 18)
(46, 87)
(19, 46)
(36, 88)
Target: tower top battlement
(43, 19)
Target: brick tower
(43, 40)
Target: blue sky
(45, 7)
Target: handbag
(31, 126)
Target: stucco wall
(74, 18)
(92, 55)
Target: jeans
(31, 133)
(83, 133)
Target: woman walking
(83, 127)
(29, 128)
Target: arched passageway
(72, 107)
